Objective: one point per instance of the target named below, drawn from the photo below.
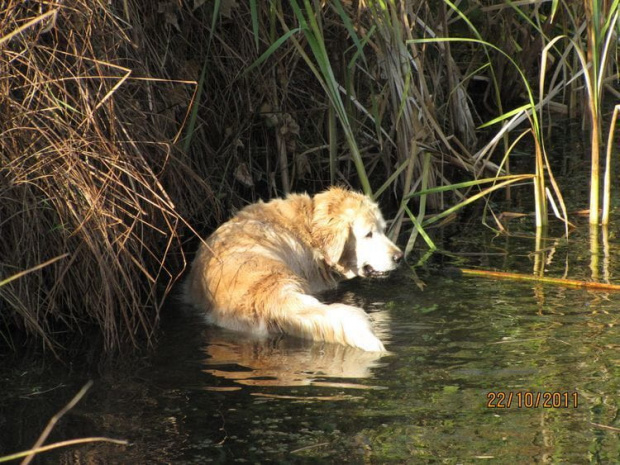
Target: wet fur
(258, 271)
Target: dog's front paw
(356, 328)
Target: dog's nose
(397, 257)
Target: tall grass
(379, 93)
(602, 27)
(399, 60)
(124, 122)
(83, 156)
(594, 41)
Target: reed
(594, 43)
(608, 168)
(602, 39)
(394, 114)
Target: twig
(313, 446)
(56, 445)
(38, 446)
(543, 279)
(611, 428)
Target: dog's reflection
(289, 361)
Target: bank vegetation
(128, 126)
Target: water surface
(459, 349)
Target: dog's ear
(331, 223)
(332, 239)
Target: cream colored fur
(257, 272)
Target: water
(459, 350)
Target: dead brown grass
(85, 146)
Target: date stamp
(529, 399)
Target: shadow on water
(469, 357)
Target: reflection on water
(288, 361)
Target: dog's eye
(369, 235)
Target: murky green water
(460, 350)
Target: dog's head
(350, 232)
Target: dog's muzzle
(369, 272)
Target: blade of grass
(6, 281)
(28, 24)
(422, 209)
(254, 16)
(607, 175)
(420, 230)
(475, 197)
(325, 75)
(475, 182)
(270, 51)
(191, 124)
(391, 179)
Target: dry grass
(84, 149)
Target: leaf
(271, 49)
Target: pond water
(479, 371)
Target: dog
(259, 271)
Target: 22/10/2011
(529, 399)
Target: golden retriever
(258, 271)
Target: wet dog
(258, 271)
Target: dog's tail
(308, 318)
